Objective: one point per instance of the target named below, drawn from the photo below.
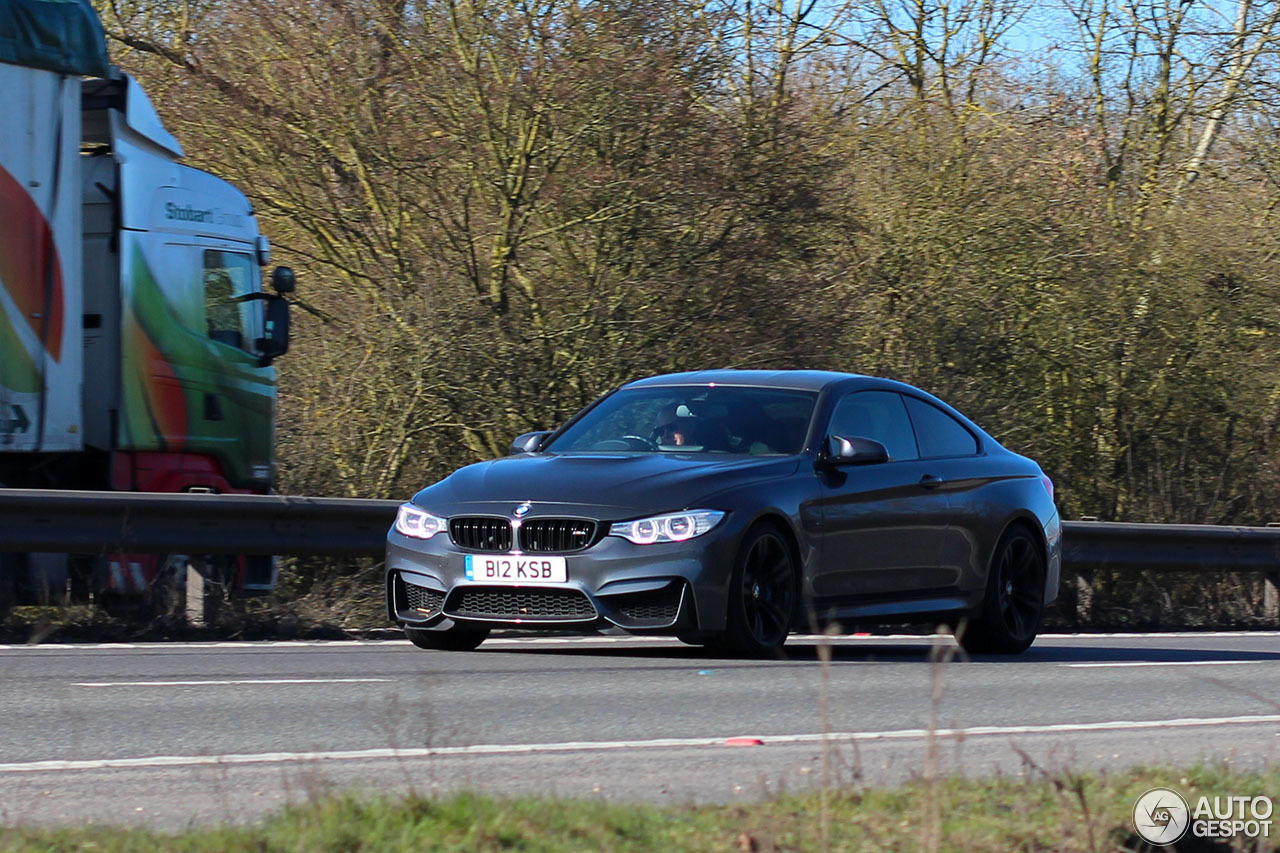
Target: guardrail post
(1271, 596)
(1084, 598)
(195, 592)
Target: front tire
(1014, 602)
(455, 639)
(763, 595)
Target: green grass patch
(1059, 812)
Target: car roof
(800, 380)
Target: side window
(227, 276)
(938, 433)
(879, 415)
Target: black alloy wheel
(455, 639)
(763, 595)
(1014, 602)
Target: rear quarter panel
(988, 494)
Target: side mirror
(854, 451)
(282, 280)
(528, 443)
(275, 340)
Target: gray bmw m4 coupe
(730, 508)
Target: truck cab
(178, 380)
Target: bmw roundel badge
(523, 509)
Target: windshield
(698, 418)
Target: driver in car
(682, 426)
(675, 426)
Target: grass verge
(1060, 811)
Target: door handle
(928, 481)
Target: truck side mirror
(282, 280)
(275, 342)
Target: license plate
(516, 569)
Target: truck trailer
(136, 339)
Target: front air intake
(520, 604)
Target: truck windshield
(687, 419)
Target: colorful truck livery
(136, 342)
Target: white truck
(136, 341)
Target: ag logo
(1161, 816)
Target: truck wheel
(82, 571)
(47, 577)
(18, 571)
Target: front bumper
(659, 588)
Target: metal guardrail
(1093, 545)
(161, 523)
(145, 522)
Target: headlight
(676, 527)
(414, 522)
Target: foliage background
(1058, 216)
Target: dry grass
(1068, 812)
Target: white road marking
(226, 682)
(1137, 635)
(1115, 664)
(169, 646)
(600, 746)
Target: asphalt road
(167, 734)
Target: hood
(613, 485)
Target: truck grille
(550, 535)
(423, 600)
(507, 603)
(480, 533)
